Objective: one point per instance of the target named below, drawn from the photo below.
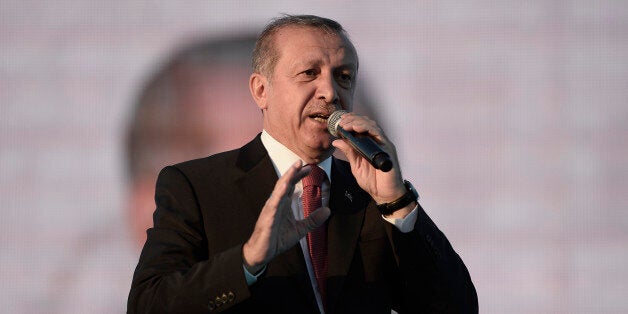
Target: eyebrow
(315, 63)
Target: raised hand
(276, 229)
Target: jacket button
(211, 306)
(224, 298)
(230, 296)
(218, 301)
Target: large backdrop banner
(510, 118)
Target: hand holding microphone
(393, 195)
(361, 143)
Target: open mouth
(320, 117)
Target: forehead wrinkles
(321, 56)
(299, 38)
(331, 56)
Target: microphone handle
(368, 148)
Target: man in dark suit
(233, 232)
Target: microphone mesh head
(333, 120)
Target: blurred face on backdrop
(315, 75)
(209, 110)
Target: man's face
(314, 76)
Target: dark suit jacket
(206, 210)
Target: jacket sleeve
(176, 273)
(435, 278)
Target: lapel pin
(349, 196)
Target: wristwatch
(411, 196)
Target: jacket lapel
(347, 203)
(258, 175)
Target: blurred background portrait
(195, 105)
(510, 116)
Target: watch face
(411, 188)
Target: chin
(322, 146)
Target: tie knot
(315, 177)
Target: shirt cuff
(250, 278)
(405, 224)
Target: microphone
(361, 143)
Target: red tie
(317, 238)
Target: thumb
(313, 221)
(317, 218)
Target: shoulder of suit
(222, 163)
(208, 164)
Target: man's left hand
(384, 187)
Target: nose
(327, 90)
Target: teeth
(320, 119)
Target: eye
(345, 79)
(310, 72)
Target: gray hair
(265, 53)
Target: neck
(317, 159)
(311, 156)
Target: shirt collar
(283, 158)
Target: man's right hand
(276, 229)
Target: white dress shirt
(282, 159)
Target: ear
(258, 85)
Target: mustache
(322, 109)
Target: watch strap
(410, 196)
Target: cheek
(347, 100)
(288, 104)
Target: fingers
(362, 124)
(264, 243)
(285, 185)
